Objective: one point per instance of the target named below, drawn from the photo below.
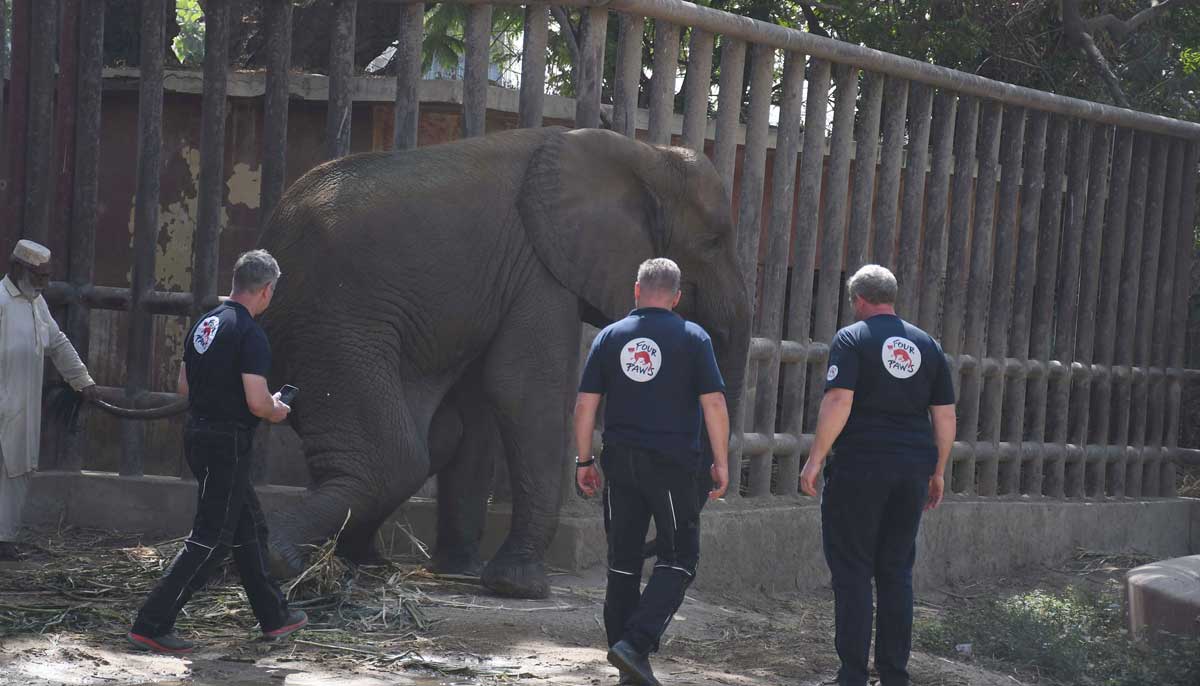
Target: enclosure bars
(1103, 409)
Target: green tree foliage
(188, 46)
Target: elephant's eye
(713, 242)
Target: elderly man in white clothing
(27, 334)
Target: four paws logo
(641, 359)
(206, 331)
(901, 357)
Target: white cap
(32, 254)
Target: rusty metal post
(699, 84)
(475, 73)
(591, 68)
(1032, 185)
(957, 255)
(887, 193)
(1012, 146)
(937, 206)
(979, 287)
(409, 35)
(339, 115)
(662, 82)
(1103, 350)
(1036, 480)
(139, 354)
(908, 251)
(1130, 280)
(866, 156)
(628, 73)
(39, 137)
(729, 107)
(1089, 300)
(1184, 247)
(775, 271)
(278, 18)
(212, 157)
(533, 65)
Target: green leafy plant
(188, 46)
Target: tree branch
(1122, 30)
(1076, 31)
(568, 31)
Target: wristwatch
(584, 463)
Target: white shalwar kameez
(27, 334)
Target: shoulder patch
(833, 372)
(901, 357)
(641, 359)
(206, 331)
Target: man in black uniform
(886, 381)
(660, 374)
(225, 365)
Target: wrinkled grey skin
(430, 308)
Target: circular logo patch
(901, 357)
(641, 359)
(206, 331)
(832, 374)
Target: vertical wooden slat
(591, 68)
(1104, 348)
(895, 105)
(533, 66)
(16, 132)
(1147, 292)
(212, 156)
(341, 79)
(628, 73)
(699, 84)
(800, 292)
(662, 81)
(275, 109)
(1130, 280)
(1089, 288)
(475, 72)
(775, 269)
(979, 285)
(957, 255)
(39, 137)
(1036, 480)
(139, 354)
(908, 251)
(933, 268)
(729, 107)
(3, 75)
(866, 155)
(1184, 247)
(409, 35)
(1032, 185)
(62, 161)
(834, 227)
(1012, 145)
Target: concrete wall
(775, 544)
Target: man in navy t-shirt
(888, 416)
(660, 377)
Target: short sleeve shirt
(897, 371)
(224, 344)
(652, 367)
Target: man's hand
(808, 477)
(588, 479)
(90, 393)
(937, 486)
(279, 412)
(720, 478)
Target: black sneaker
(632, 664)
(627, 680)
(167, 644)
(296, 620)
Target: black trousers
(228, 517)
(641, 485)
(869, 524)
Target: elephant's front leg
(530, 375)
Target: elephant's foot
(456, 562)
(286, 560)
(516, 577)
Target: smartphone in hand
(287, 394)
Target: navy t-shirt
(896, 371)
(653, 366)
(221, 346)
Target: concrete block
(1164, 596)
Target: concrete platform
(774, 543)
(1164, 596)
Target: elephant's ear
(591, 212)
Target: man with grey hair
(660, 377)
(28, 334)
(888, 417)
(224, 373)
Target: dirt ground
(63, 615)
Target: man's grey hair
(873, 283)
(659, 275)
(253, 271)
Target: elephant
(429, 310)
